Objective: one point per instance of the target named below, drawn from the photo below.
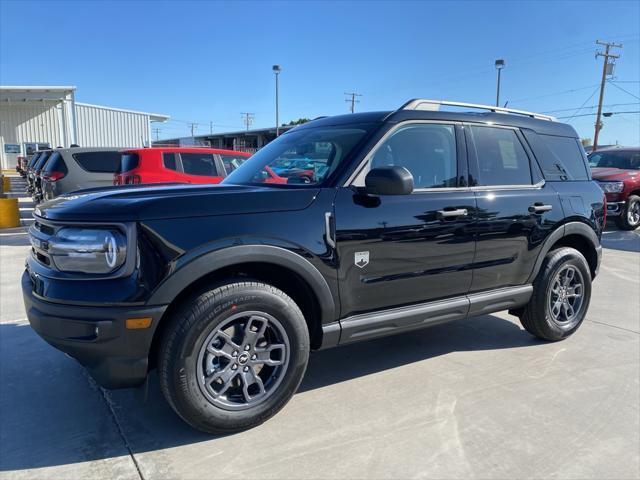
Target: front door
(408, 249)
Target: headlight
(87, 250)
(612, 187)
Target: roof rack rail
(434, 105)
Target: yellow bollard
(6, 184)
(9, 213)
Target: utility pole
(210, 128)
(157, 132)
(248, 119)
(193, 126)
(607, 69)
(353, 100)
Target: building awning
(35, 94)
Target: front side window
(428, 151)
(302, 157)
(201, 164)
(501, 157)
(625, 159)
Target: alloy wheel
(243, 360)
(633, 213)
(567, 295)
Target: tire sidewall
(574, 258)
(187, 393)
(624, 217)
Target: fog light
(138, 323)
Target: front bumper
(95, 336)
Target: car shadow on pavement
(52, 413)
(615, 239)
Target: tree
(299, 121)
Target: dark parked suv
(407, 219)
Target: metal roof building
(38, 117)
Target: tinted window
(625, 159)
(41, 161)
(567, 153)
(55, 164)
(129, 161)
(501, 157)
(231, 162)
(427, 151)
(199, 164)
(34, 159)
(104, 162)
(169, 161)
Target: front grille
(39, 234)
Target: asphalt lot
(474, 399)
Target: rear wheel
(629, 218)
(561, 295)
(233, 356)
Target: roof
(154, 117)
(60, 89)
(34, 93)
(185, 150)
(544, 127)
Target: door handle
(458, 212)
(540, 208)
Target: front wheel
(629, 217)
(233, 356)
(561, 295)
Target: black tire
(195, 322)
(628, 218)
(537, 317)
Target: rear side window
(55, 164)
(99, 162)
(231, 162)
(34, 159)
(129, 161)
(201, 164)
(42, 160)
(501, 157)
(567, 152)
(169, 161)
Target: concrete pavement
(474, 399)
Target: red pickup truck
(618, 172)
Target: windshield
(625, 159)
(302, 157)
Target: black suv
(405, 219)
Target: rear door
(397, 250)
(517, 210)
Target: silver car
(77, 168)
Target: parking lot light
(276, 70)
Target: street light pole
(499, 66)
(276, 70)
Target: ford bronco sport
(410, 218)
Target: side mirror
(389, 180)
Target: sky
(205, 61)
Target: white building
(39, 117)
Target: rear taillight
(53, 176)
(132, 180)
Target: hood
(152, 202)
(613, 174)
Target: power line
(248, 118)
(353, 100)
(157, 132)
(605, 114)
(591, 106)
(193, 126)
(625, 91)
(585, 102)
(607, 69)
